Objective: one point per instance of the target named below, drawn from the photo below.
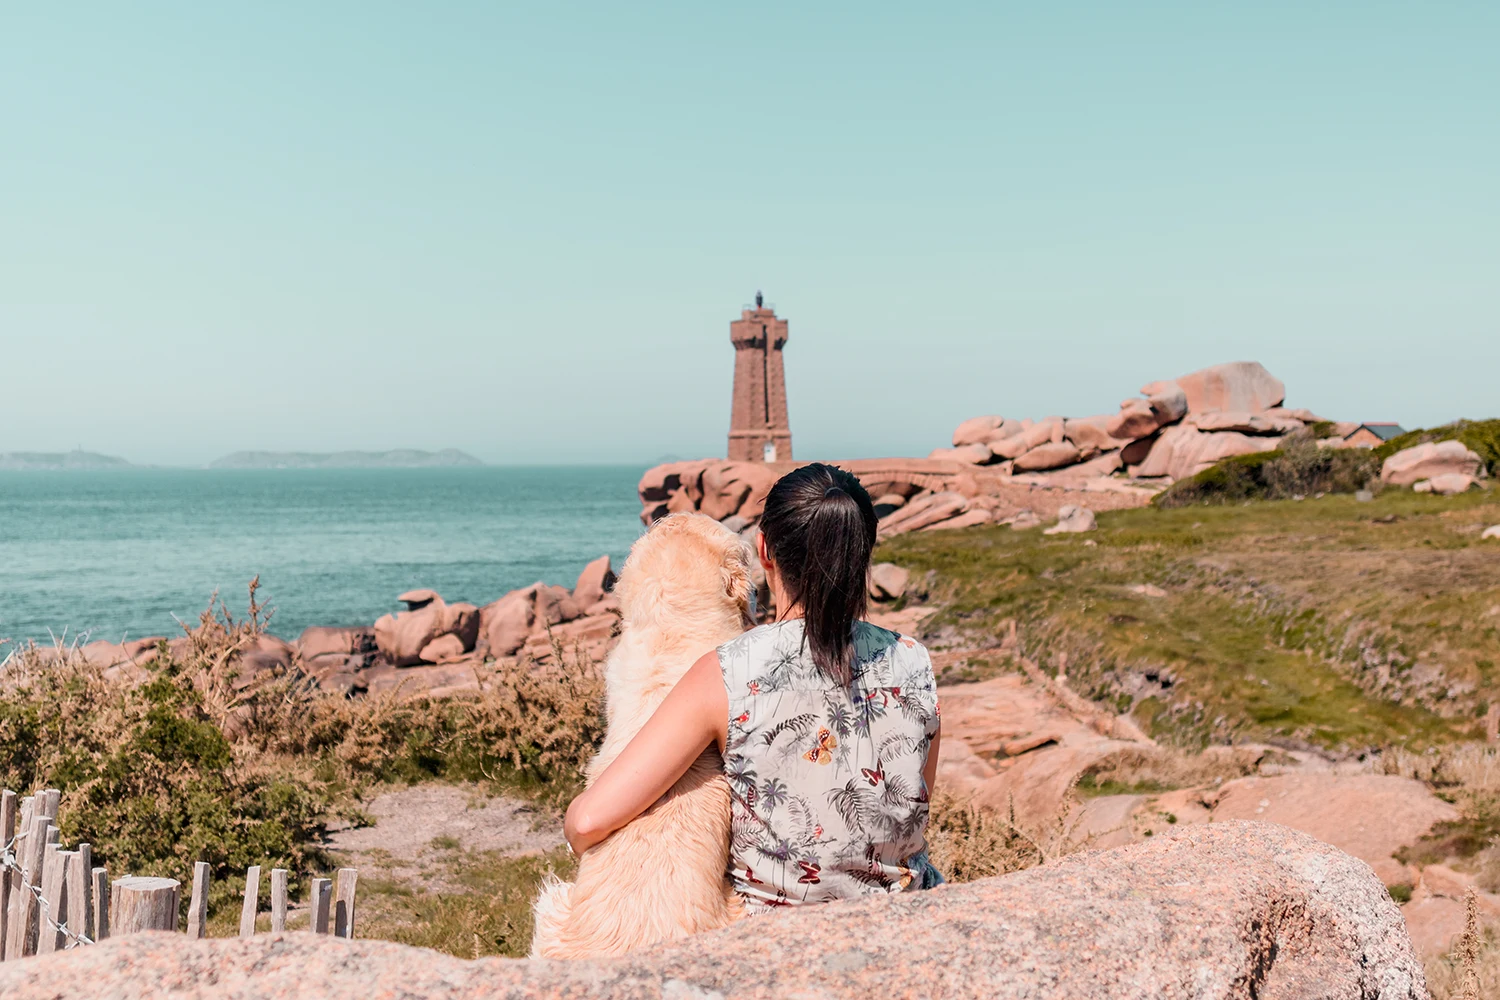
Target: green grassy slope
(1327, 622)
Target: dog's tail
(550, 914)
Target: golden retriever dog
(684, 590)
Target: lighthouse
(758, 427)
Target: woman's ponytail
(819, 525)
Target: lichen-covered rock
(1220, 912)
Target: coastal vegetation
(1330, 622)
(177, 762)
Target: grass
(485, 908)
(1324, 622)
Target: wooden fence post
(252, 901)
(144, 904)
(278, 899)
(100, 930)
(54, 907)
(80, 894)
(197, 918)
(8, 805)
(343, 910)
(21, 939)
(19, 852)
(322, 890)
(53, 798)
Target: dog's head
(688, 568)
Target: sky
(523, 229)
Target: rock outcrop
(1223, 912)
(1175, 429)
(1428, 461)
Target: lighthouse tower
(758, 427)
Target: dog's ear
(737, 582)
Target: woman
(828, 725)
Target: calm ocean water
(119, 553)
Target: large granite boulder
(596, 580)
(1227, 911)
(1241, 386)
(401, 638)
(1424, 461)
(976, 430)
(1181, 451)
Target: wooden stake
(197, 918)
(144, 904)
(53, 799)
(54, 897)
(100, 930)
(252, 901)
(278, 899)
(80, 894)
(8, 804)
(322, 893)
(24, 928)
(343, 909)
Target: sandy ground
(416, 829)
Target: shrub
(1298, 468)
(177, 765)
(149, 779)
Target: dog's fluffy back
(684, 590)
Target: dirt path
(418, 828)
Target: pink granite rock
(1048, 456)
(1245, 423)
(1447, 484)
(976, 430)
(443, 649)
(1227, 911)
(1238, 385)
(888, 581)
(1423, 461)
(969, 454)
(506, 623)
(596, 580)
(401, 637)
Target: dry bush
(1471, 970)
(1157, 769)
(174, 762)
(529, 726)
(1471, 766)
(1468, 775)
(147, 774)
(966, 842)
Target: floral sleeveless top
(828, 796)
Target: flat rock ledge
(1228, 910)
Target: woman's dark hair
(819, 526)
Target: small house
(1372, 435)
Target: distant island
(400, 458)
(53, 461)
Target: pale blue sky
(523, 230)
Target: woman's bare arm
(693, 715)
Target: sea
(121, 554)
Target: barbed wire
(8, 863)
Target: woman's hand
(693, 715)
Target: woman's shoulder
(752, 640)
(880, 638)
(873, 644)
